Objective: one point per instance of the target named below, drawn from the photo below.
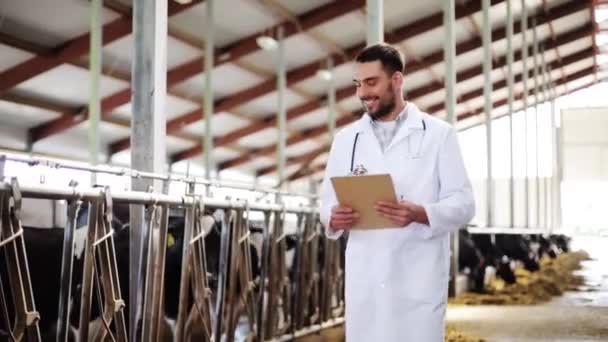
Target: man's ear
(397, 79)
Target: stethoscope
(416, 155)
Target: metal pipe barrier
(119, 171)
(25, 317)
(280, 303)
(277, 322)
(307, 295)
(100, 273)
(194, 274)
(332, 293)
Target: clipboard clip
(359, 170)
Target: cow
(494, 257)
(471, 261)
(501, 250)
(44, 246)
(516, 247)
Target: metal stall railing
(282, 308)
(25, 324)
(132, 173)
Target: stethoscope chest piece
(359, 170)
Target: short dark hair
(391, 58)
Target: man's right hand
(342, 218)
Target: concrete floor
(573, 317)
(538, 323)
(335, 334)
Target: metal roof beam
(309, 70)
(347, 92)
(72, 49)
(239, 49)
(586, 72)
(305, 158)
(187, 70)
(573, 58)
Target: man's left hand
(402, 213)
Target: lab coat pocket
(411, 176)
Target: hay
(336, 334)
(554, 277)
(453, 335)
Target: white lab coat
(397, 278)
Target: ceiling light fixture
(183, 2)
(324, 74)
(267, 43)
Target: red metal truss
(562, 81)
(400, 34)
(425, 62)
(72, 49)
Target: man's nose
(362, 91)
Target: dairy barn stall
(164, 167)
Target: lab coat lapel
(412, 124)
(368, 151)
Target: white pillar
(282, 111)
(559, 166)
(487, 93)
(148, 135)
(536, 100)
(2, 166)
(449, 56)
(545, 89)
(524, 59)
(94, 97)
(208, 95)
(375, 21)
(331, 101)
(510, 105)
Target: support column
(2, 166)
(331, 99)
(559, 165)
(94, 97)
(524, 59)
(555, 160)
(208, 95)
(545, 90)
(375, 21)
(148, 137)
(313, 190)
(510, 105)
(536, 100)
(449, 56)
(487, 94)
(282, 111)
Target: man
(397, 278)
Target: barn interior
(161, 164)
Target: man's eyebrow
(365, 79)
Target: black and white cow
(501, 251)
(44, 248)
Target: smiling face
(376, 88)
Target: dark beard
(384, 110)
(385, 107)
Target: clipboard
(361, 193)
